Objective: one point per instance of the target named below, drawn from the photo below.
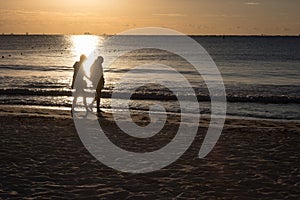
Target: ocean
(261, 73)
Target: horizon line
(109, 35)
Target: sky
(200, 17)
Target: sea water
(261, 74)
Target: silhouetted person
(79, 75)
(97, 79)
(77, 66)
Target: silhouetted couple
(96, 77)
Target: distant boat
(87, 33)
(104, 35)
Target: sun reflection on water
(88, 45)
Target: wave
(156, 96)
(34, 92)
(35, 68)
(264, 99)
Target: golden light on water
(85, 44)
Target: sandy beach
(43, 157)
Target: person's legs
(98, 105)
(98, 93)
(97, 98)
(85, 103)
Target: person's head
(83, 58)
(100, 59)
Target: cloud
(169, 14)
(252, 3)
(221, 15)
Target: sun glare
(85, 44)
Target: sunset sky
(187, 16)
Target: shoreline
(65, 112)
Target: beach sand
(43, 157)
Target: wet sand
(43, 157)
